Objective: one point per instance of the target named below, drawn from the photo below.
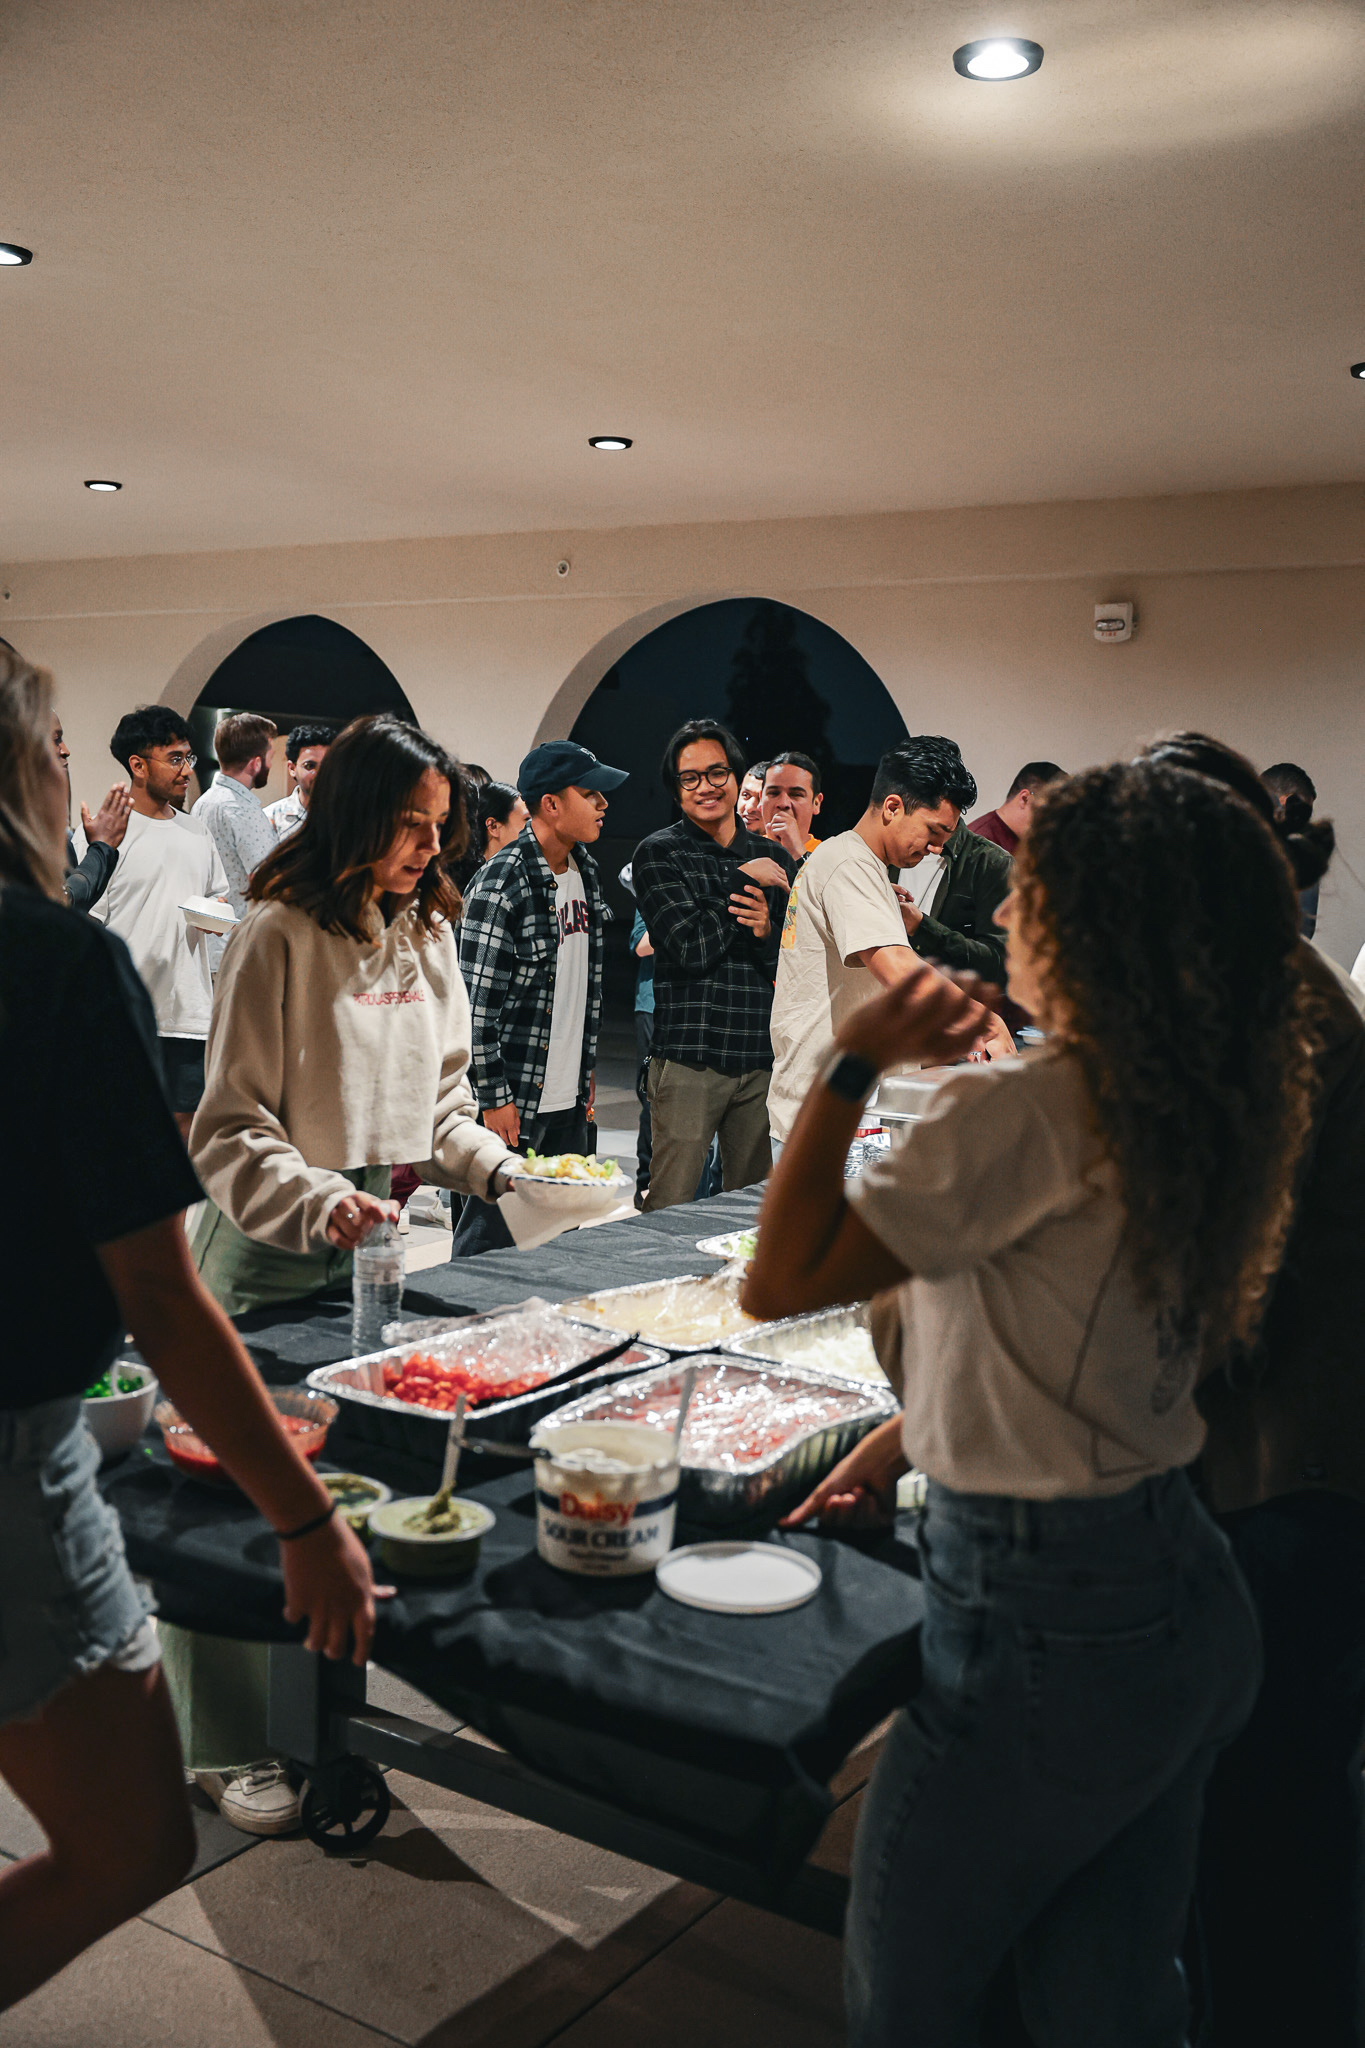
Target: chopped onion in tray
(848, 1352)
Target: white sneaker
(427, 1207)
(259, 1799)
(404, 1223)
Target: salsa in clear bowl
(307, 1418)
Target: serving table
(701, 1744)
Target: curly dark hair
(364, 786)
(1168, 921)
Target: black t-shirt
(90, 1151)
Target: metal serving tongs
(485, 1447)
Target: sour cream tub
(606, 1496)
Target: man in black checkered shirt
(712, 895)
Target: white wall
(1251, 624)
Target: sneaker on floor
(404, 1223)
(260, 1799)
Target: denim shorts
(67, 1599)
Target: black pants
(644, 1144)
(1281, 1888)
(481, 1228)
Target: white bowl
(116, 1421)
(207, 914)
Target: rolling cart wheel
(345, 1812)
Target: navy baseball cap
(560, 764)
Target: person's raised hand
(355, 1216)
(504, 1123)
(329, 1584)
(930, 1016)
(860, 1493)
(110, 821)
(750, 906)
(767, 873)
(782, 827)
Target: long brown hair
(1169, 924)
(355, 813)
(29, 852)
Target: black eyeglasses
(717, 775)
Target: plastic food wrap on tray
(741, 1415)
(492, 1359)
(695, 1310)
(834, 1341)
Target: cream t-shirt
(840, 905)
(1032, 1366)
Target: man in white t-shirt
(531, 957)
(844, 935)
(165, 859)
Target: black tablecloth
(288, 1342)
(726, 1726)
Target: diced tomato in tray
(426, 1383)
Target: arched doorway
(777, 676)
(305, 669)
(780, 679)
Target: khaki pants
(688, 1106)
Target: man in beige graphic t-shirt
(844, 934)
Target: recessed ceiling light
(997, 57)
(1358, 370)
(101, 483)
(11, 253)
(612, 441)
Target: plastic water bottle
(376, 1287)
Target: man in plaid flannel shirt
(531, 957)
(712, 895)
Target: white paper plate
(726, 1247)
(739, 1578)
(207, 914)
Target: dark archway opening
(778, 678)
(301, 669)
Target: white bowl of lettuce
(118, 1408)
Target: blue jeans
(67, 1600)
(1038, 1804)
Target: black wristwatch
(849, 1077)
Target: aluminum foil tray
(617, 1307)
(790, 1341)
(374, 1417)
(765, 1489)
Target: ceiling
(315, 270)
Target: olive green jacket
(962, 931)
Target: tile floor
(460, 1927)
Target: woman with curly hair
(1075, 1239)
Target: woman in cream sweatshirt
(339, 1044)
(340, 1037)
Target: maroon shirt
(990, 825)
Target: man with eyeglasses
(712, 894)
(165, 858)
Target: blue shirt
(644, 969)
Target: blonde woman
(83, 1702)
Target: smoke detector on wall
(1113, 622)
